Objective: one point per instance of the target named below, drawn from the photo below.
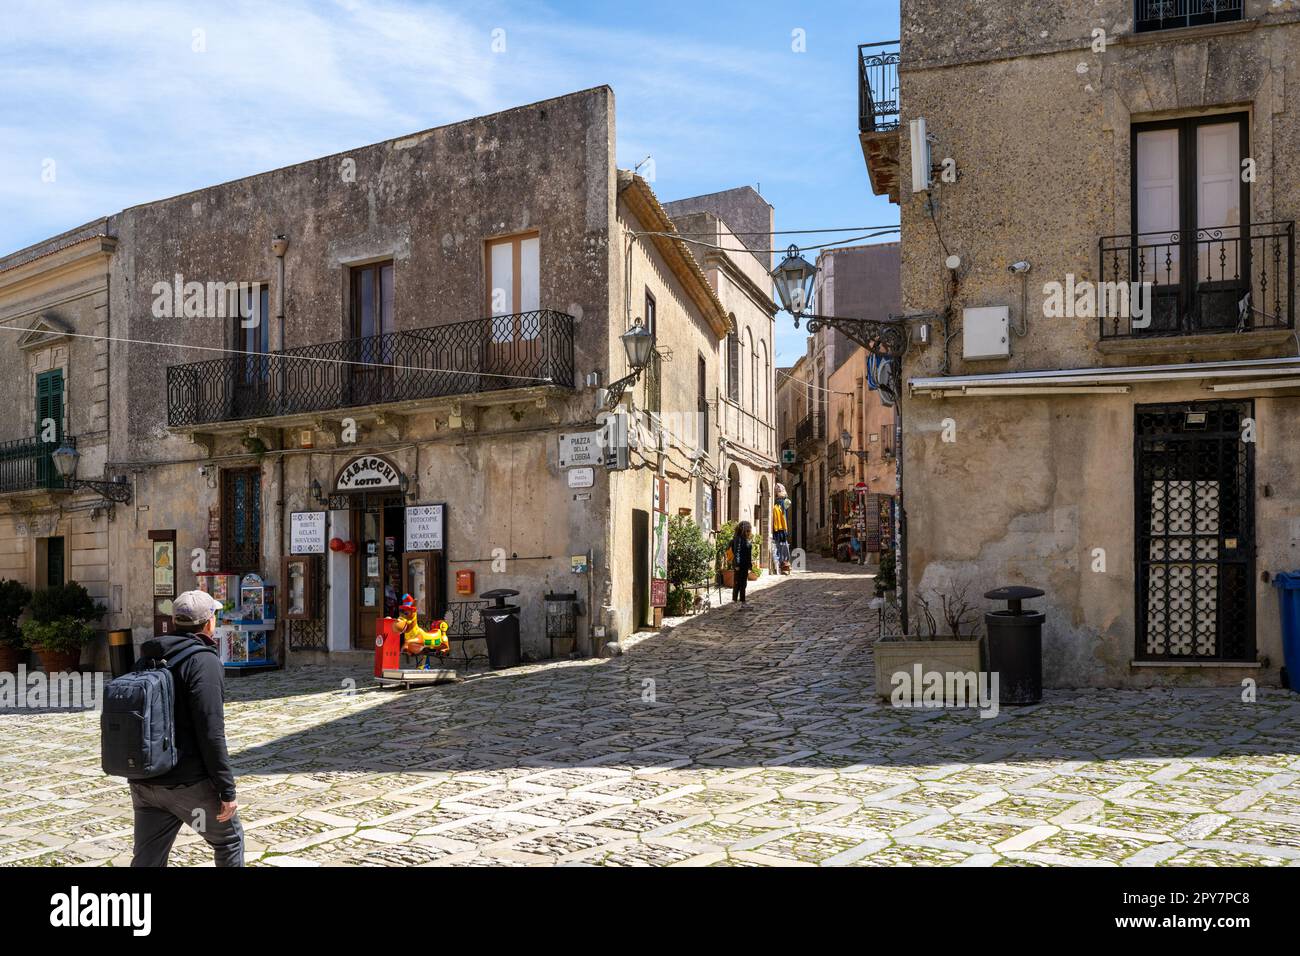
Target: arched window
(766, 385)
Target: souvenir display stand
(246, 620)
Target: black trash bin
(501, 629)
(121, 652)
(1015, 644)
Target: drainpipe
(280, 245)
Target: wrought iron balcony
(26, 465)
(811, 428)
(1226, 279)
(502, 352)
(1170, 14)
(878, 86)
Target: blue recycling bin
(1288, 591)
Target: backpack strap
(186, 653)
(153, 663)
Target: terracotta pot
(9, 659)
(753, 575)
(729, 578)
(55, 661)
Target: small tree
(723, 542)
(13, 599)
(61, 618)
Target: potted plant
(690, 560)
(60, 625)
(13, 599)
(722, 544)
(956, 646)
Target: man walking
(200, 789)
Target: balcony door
(252, 323)
(1192, 223)
(49, 411)
(371, 345)
(513, 289)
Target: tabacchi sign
(368, 473)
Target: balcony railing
(26, 465)
(1170, 14)
(505, 351)
(1226, 279)
(748, 429)
(810, 429)
(878, 86)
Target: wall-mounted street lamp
(65, 459)
(639, 344)
(846, 440)
(795, 278)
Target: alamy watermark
(62, 690)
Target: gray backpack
(138, 723)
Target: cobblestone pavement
(739, 738)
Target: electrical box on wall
(985, 333)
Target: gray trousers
(160, 811)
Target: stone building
(1127, 448)
(307, 355)
(720, 226)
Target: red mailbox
(388, 647)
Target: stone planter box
(894, 655)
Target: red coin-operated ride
(404, 633)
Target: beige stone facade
(1151, 512)
(448, 305)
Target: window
(372, 327)
(251, 323)
(753, 371)
(654, 371)
(766, 386)
(1169, 14)
(1191, 220)
(241, 519)
(54, 575)
(49, 403)
(733, 367)
(49, 410)
(372, 301)
(513, 286)
(702, 400)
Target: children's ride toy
(416, 640)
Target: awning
(1236, 375)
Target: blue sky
(117, 96)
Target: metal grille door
(1195, 532)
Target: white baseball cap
(194, 607)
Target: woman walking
(742, 548)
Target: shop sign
(368, 473)
(424, 527)
(307, 532)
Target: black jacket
(743, 549)
(200, 715)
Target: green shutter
(49, 405)
(49, 400)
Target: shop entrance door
(378, 528)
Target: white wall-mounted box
(985, 333)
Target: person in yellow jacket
(781, 529)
